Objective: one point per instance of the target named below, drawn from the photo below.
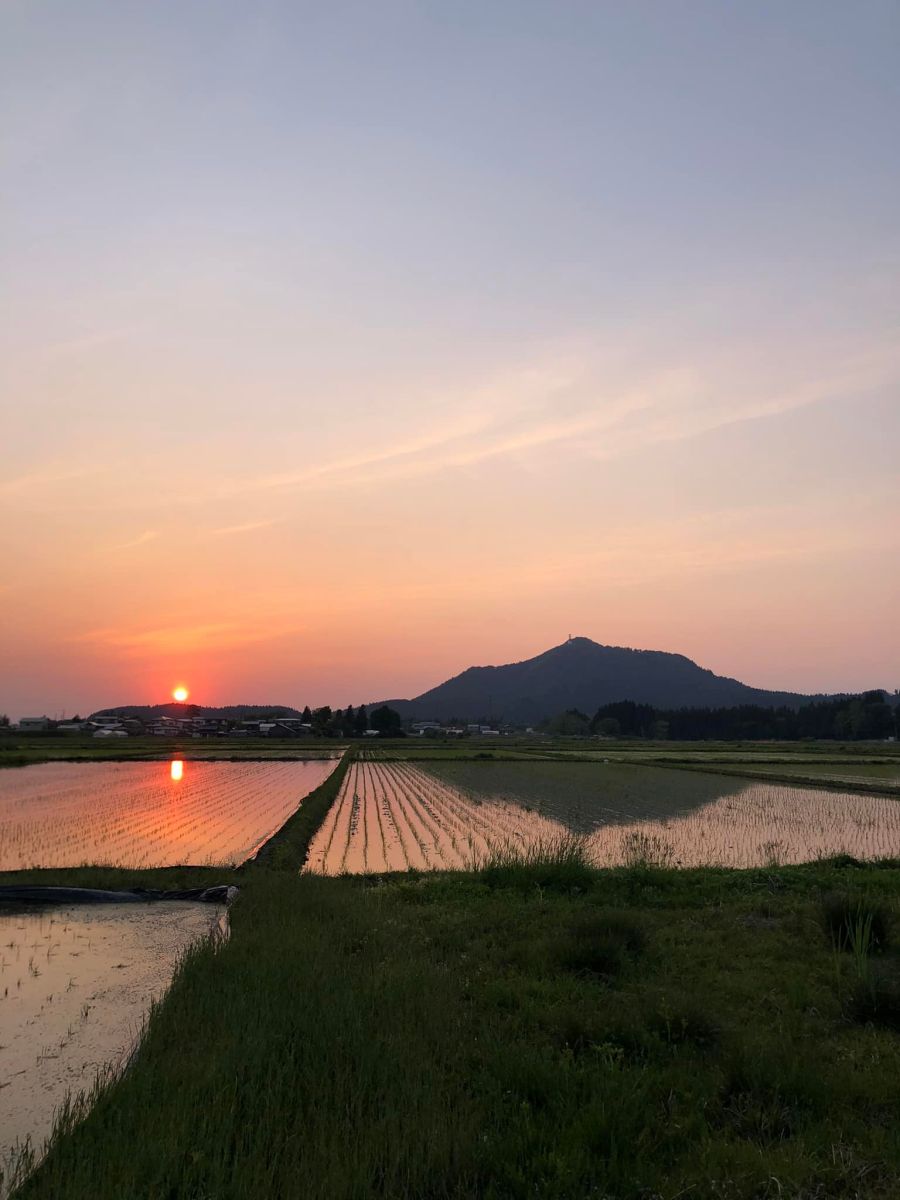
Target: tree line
(346, 722)
(868, 716)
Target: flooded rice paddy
(849, 774)
(150, 814)
(393, 816)
(75, 987)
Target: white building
(32, 724)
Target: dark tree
(569, 724)
(320, 718)
(386, 720)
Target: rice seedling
(642, 816)
(50, 1047)
(138, 815)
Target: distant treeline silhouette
(857, 717)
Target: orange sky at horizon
(321, 388)
(717, 535)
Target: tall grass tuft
(856, 924)
(643, 850)
(875, 999)
(551, 864)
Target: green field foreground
(527, 1031)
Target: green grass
(122, 878)
(558, 865)
(442, 1036)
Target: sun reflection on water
(176, 769)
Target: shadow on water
(585, 796)
(684, 818)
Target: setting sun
(180, 694)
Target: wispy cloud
(42, 479)
(593, 404)
(219, 635)
(98, 340)
(149, 535)
(244, 527)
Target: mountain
(231, 712)
(583, 674)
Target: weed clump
(875, 1000)
(687, 1025)
(767, 1097)
(555, 865)
(647, 850)
(601, 944)
(841, 861)
(856, 923)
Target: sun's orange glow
(176, 769)
(180, 694)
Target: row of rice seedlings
(394, 817)
(134, 815)
(753, 825)
(767, 823)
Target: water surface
(150, 814)
(396, 816)
(75, 987)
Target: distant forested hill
(583, 674)
(232, 712)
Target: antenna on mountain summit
(569, 637)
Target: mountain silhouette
(582, 674)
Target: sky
(345, 346)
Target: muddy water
(75, 987)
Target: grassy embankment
(527, 1030)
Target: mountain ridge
(583, 674)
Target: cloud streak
(244, 527)
(149, 535)
(590, 408)
(184, 639)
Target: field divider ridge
(288, 848)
